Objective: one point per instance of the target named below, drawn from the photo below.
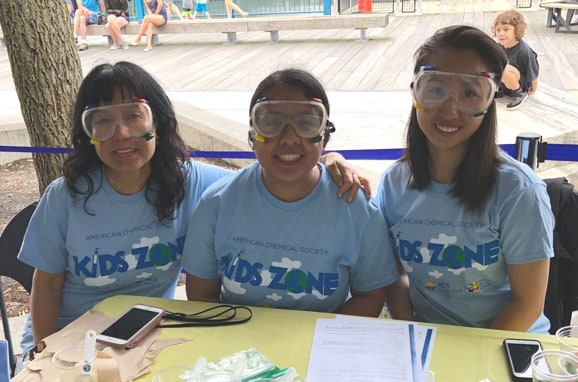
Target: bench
(273, 25)
(555, 19)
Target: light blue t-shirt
(456, 260)
(119, 247)
(302, 255)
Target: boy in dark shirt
(521, 74)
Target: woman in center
(273, 234)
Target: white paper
(360, 350)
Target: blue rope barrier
(555, 152)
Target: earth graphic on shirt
(454, 257)
(160, 255)
(296, 281)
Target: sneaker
(517, 101)
(124, 45)
(83, 46)
(114, 47)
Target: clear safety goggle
(308, 118)
(100, 122)
(473, 93)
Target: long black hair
(165, 188)
(477, 173)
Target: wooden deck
(202, 62)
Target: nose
(451, 106)
(289, 135)
(120, 131)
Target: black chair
(562, 292)
(10, 266)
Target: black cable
(219, 315)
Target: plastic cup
(185, 374)
(568, 339)
(174, 374)
(554, 366)
(69, 362)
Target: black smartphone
(131, 327)
(519, 353)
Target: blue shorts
(92, 19)
(201, 8)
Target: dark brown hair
(477, 173)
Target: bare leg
(511, 77)
(174, 9)
(142, 31)
(113, 26)
(82, 27)
(149, 37)
(231, 6)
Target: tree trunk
(47, 73)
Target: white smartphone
(131, 327)
(519, 353)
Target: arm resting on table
(45, 303)
(527, 297)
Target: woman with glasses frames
(115, 223)
(471, 226)
(273, 234)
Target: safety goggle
(473, 93)
(308, 118)
(100, 122)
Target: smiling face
(506, 35)
(289, 161)
(126, 158)
(446, 128)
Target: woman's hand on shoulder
(345, 176)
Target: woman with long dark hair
(471, 225)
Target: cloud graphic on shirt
(233, 286)
(407, 266)
(457, 271)
(437, 274)
(424, 252)
(287, 263)
(273, 296)
(146, 242)
(479, 266)
(131, 260)
(296, 296)
(445, 239)
(99, 281)
(319, 295)
(144, 275)
(266, 278)
(165, 267)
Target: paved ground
(370, 106)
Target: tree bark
(47, 73)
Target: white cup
(568, 339)
(70, 361)
(554, 366)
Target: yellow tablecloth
(285, 336)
